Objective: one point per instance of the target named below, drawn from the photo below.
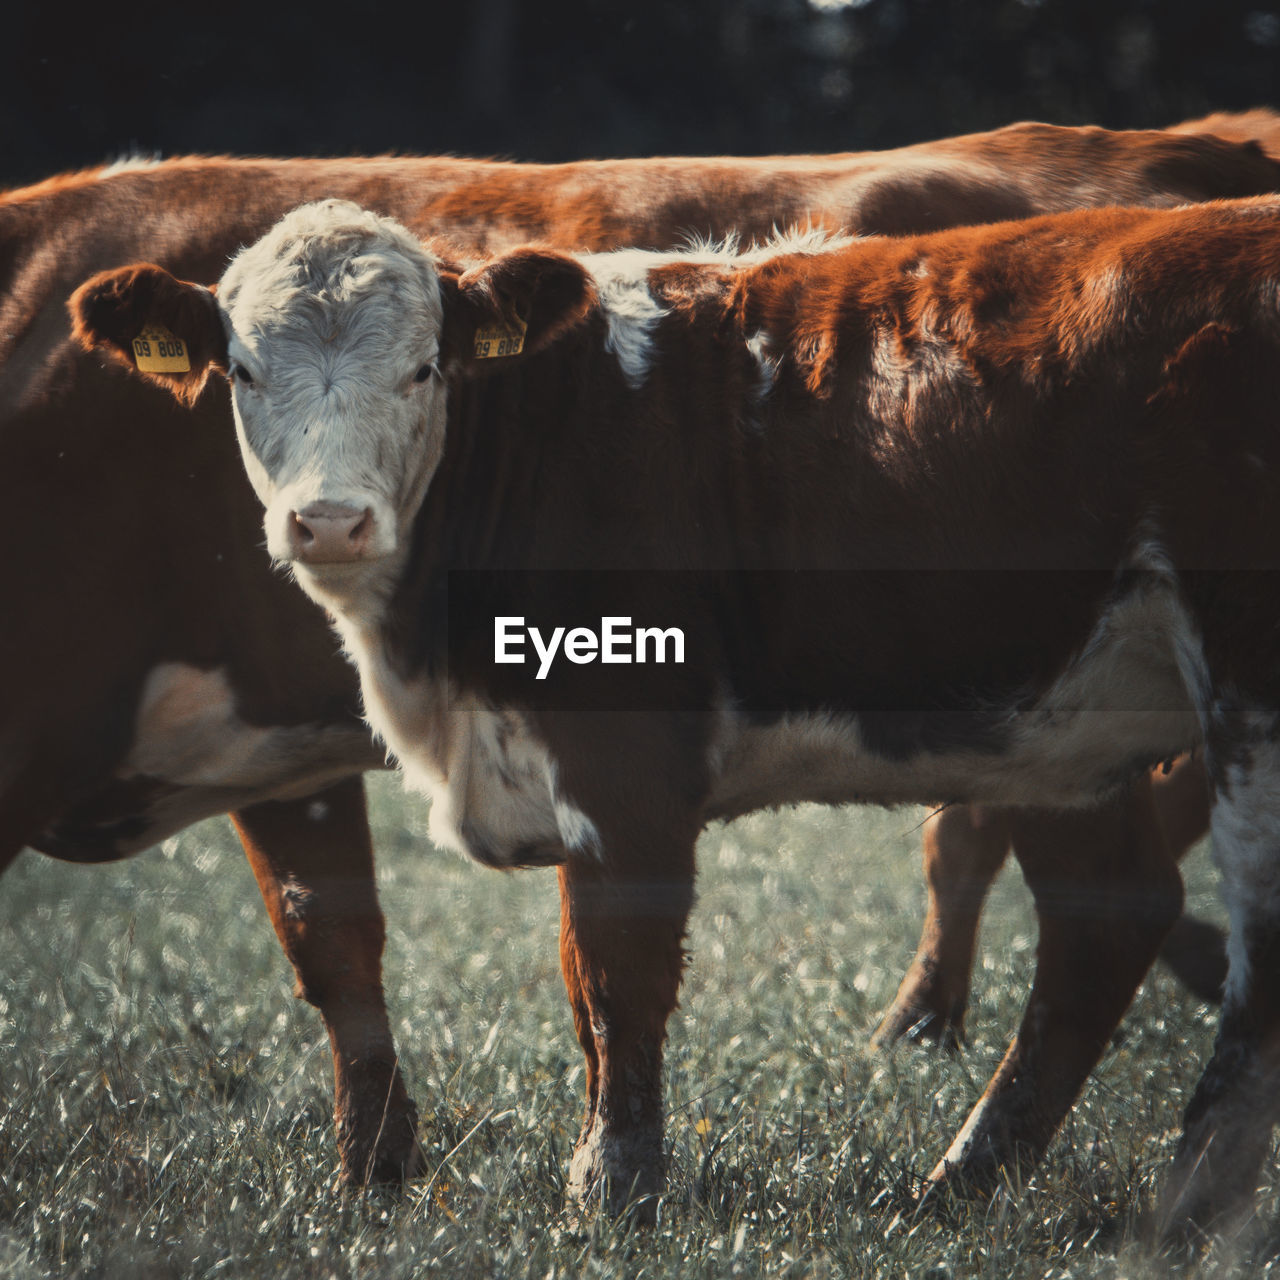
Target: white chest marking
(494, 786)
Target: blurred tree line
(564, 79)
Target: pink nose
(330, 533)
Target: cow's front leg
(313, 860)
(1106, 892)
(964, 847)
(622, 927)
(1227, 1127)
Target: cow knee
(332, 948)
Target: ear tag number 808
(156, 350)
(500, 340)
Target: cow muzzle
(330, 533)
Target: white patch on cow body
(1131, 697)
(188, 732)
(189, 735)
(767, 362)
(632, 313)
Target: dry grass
(164, 1103)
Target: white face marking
(334, 322)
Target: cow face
(340, 334)
(334, 329)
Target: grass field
(165, 1102)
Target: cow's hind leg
(314, 863)
(1106, 892)
(964, 847)
(1195, 950)
(622, 928)
(1227, 1128)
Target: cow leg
(314, 863)
(964, 847)
(622, 925)
(1194, 951)
(1227, 1127)
(1106, 892)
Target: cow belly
(193, 757)
(1133, 695)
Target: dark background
(565, 79)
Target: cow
(1053, 433)
(210, 686)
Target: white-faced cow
(206, 684)
(1055, 434)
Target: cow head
(340, 334)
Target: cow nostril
(301, 530)
(361, 529)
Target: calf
(1012, 425)
(209, 685)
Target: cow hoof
(384, 1151)
(619, 1175)
(1196, 1205)
(917, 1026)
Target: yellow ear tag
(501, 339)
(156, 350)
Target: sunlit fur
(630, 309)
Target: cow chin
(355, 586)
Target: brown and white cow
(1056, 434)
(170, 675)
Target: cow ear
(165, 329)
(513, 306)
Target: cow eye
(241, 374)
(425, 372)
